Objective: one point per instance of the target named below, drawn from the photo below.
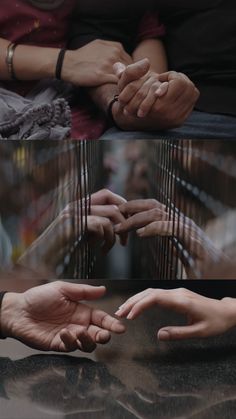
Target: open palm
(52, 318)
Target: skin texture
(205, 316)
(52, 318)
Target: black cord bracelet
(59, 65)
(1, 298)
(109, 110)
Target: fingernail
(164, 335)
(130, 316)
(118, 312)
(117, 227)
(126, 113)
(140, 231)
(140, 114)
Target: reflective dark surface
(132, 377)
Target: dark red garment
(26, 22)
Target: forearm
(103, 95)
(30, 62)
(154, 50)
(8, 314)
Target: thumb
(77, 292)
(134, 72)
(179, 332)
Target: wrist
(9, 314)
(229, 310)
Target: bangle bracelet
(59, 65)
(109, 110)
(9, 60)
(1, 298)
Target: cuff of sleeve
(150, 27)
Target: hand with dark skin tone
(205, 316)
(53, 317)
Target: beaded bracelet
(59, 65)
(9, 60)
(1, 298)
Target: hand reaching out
(205, 316)
(53, 317)
(150, 218)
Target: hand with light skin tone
(50, 247)
(53, 317)
(205, 316)
(159, 101)
(149, 218)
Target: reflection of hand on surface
(150, 218)
(206, 316)
(77, 385)
(52, 318)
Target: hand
(150, 218)
(173, 109)
(52, 318)
(169, 110)
(206, 317)
(92, 65)
(105, 203)
(138, 93)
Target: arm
(90, 65)
(154, 50)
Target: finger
(140, 205)
(133, 106)
(126, 307)
(99, 335)
(108, 234)
(106, 197)
(133, 72)
(108, 211)
(68, 341)
(113, 213)
(107, 322)
(77, 292)
(85, 342)
(140, 220)
(170, 299)
(148, 102)
(130, 92)
(162, 89)
(157, 228)
(181, 332)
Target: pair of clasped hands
(160, 101)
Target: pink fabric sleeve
(150, 27)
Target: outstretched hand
(205, 316)
(52, 318)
